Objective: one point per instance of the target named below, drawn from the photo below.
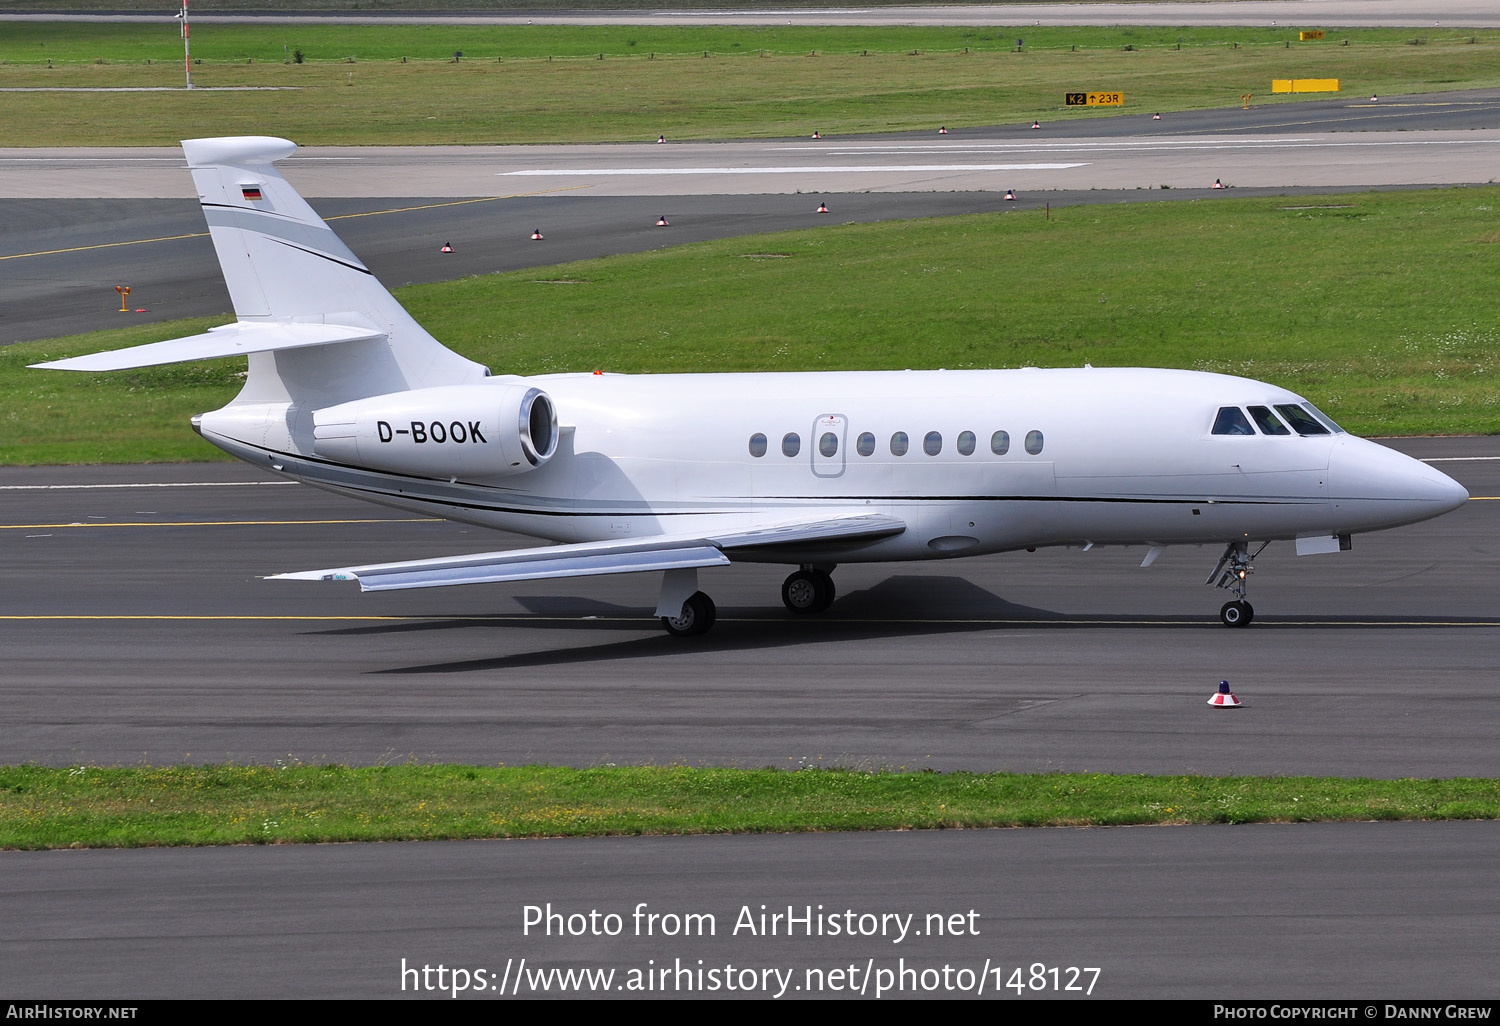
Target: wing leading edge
(665, 552)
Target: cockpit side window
(1267, 421)
(1231, 421)
(1298, 418)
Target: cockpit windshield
(1267, 422)
(1300, 420)
(1231, 421)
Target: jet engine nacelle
(470, 431)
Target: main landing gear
(809, 590)
(685, 611)
(697, 616)
(1232, 574)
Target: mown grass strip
(1375, 305)
(86, 806)
(384, 84)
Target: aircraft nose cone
(1388, 487)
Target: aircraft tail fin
(317, 325)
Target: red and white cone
(536, 236)
(661, 138)
(1010, 194)
(816, 135)
(943, 130)
(1217, 184)
(822, 208)
(1036, 124)
(1156, 117)
(1224, 698)
(661, 222)
(447, 248)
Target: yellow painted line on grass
(340, 217)
(218, 523)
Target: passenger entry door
(828, 445)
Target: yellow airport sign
(1094, 99)
(1314, 34)
(1304, 85)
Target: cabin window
(791, 444)
(966, 443)
(1298, 418)
(828, 445)
(1267, 421)
(865, 444)
(757, 445)
(1232, 421)
(1033, 442)
(1000, 443)
(932, 444)
(899, 443)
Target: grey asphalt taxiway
(137, 628)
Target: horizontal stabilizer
(665, 552)
(230, 340)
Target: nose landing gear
(1232, 574)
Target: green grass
(86, 806)
(1377, 306)
(549, 83)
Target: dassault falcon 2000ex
(672, 473)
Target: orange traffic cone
(536, 236)
(447, 248)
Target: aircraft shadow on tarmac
(902, 605)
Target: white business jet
(676, 472)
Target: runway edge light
(1224, 698)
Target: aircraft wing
(663, 552)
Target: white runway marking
(816, 169)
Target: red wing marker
(822, 208)
(447, 248)
(536, 236)
(1224, 698)
(661, 222)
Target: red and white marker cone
(447, 248)
(1156, 117)
(536, 236)
(822, 208)
(1224, 698)
(1010, 194)
(661, 222)
(1218, 184)
(816, 135)
(1374, 98)
(661, 138)
(1036, 124)
(943, 130)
